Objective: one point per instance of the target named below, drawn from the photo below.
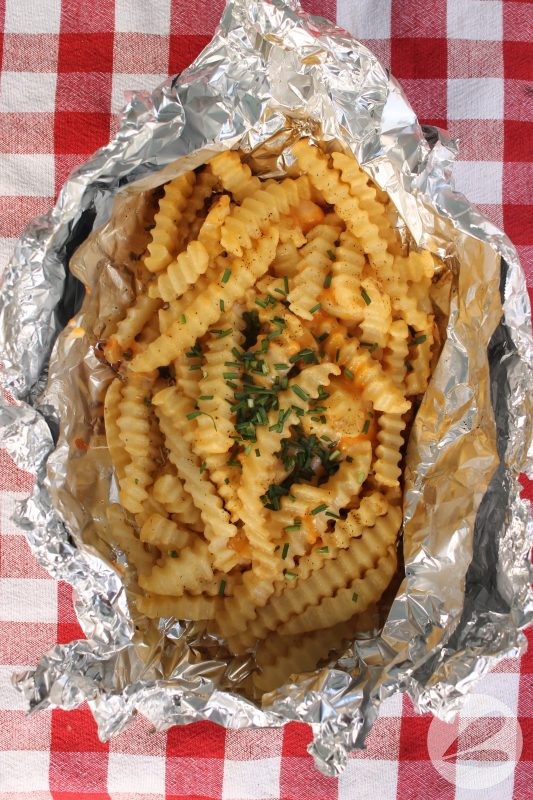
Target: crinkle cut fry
(139, 439)
(165, 231)
(119, 457)
(205, 310)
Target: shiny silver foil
(270, 74)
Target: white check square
(44, 17)
(479, 181)
(24, 771)
(135, 774)
(10, 698)
(362, 776)
(475, 98)
(28, 600)
(254, 780)
(366, 19)
(143, 17)
(124, 82)
(27, 91)
(475, 19)
(26, 175)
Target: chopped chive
(334, 455)
(194, 367)
(203, 467)
(324, 549)
(193, 414)
(420, 339)
(297, 524)
(226, 480)
(318, 509)
(322, 337)
(230, 376)
(221, 304)
(281, 367)
(205, 397)
(226, 275)
(257, 452)
(325, 438)
(355, 597)
(183, 319)
(371, 345)
(366, 426)
(236, 353)
(222, 588)
(331, 254)
(315, 308)
(365, 296)
(285, 551)
(247, 449)
(327, 280)
(361, 476)
(337, 354)
(233, 463)
(286, 284)
(261, 303)
(348, 373)
(291, 576)
(331, 514)
(300, 392)
(173, 554)
(223, 334)
(280, 291)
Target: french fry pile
(257, 418)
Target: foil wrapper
(270, 74)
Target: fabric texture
(466, 65)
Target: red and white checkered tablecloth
(466, 65)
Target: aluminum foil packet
(271, 74)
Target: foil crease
(270, 74)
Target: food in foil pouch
(95, 342)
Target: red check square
(85, 52)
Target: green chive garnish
(226, 275)
(315, 308)
(324, 549)
(285, 551)
(203, 467)
(365, 296)
(221, 305)
(331, 514)
(355, 597)
(327, 280)
(193, 414)
(222, 588)
(291, 576)
(348, 373)
(205, 397)
(420, 339)
(318, 509)
(300, 392)
(366, 426)
(183, 319)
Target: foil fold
(270, 74)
